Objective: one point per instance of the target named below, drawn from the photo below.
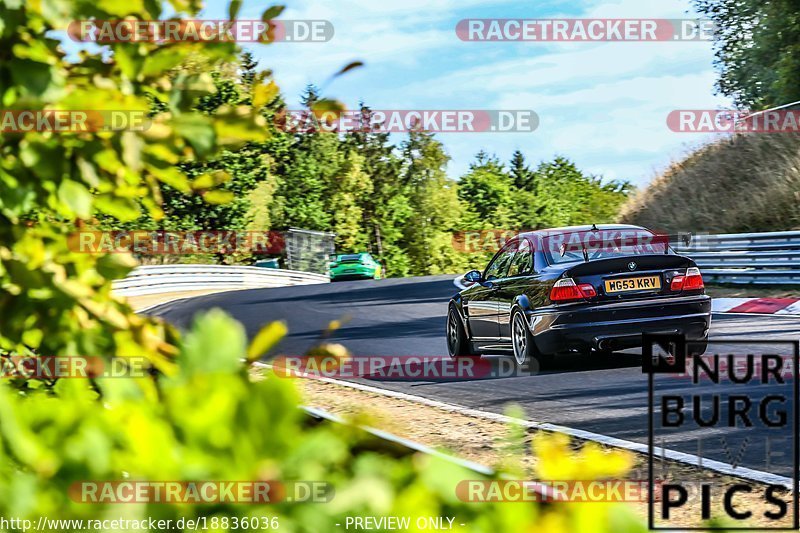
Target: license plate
(649, 283)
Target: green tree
(437, 210)
(221, 192)
(248, 71)
(757, 48)
(313, 162)
(566, 196)
(232, 174)
(349, 188)
(520, 173)
(387, 208)
(53, 183)
(489, 192)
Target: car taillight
(692, 281)
(566, 290)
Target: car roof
(577, 229)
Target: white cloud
(602, 104)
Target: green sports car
(354, 266)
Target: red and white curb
(762, 306)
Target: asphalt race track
(406, 317)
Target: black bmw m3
(585, 288)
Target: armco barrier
(763, 258)
(175, 278)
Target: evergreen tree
(436, 208)
(489, 192)
(347, 192)
(387, 208)
(520, 173)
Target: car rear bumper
(358, 273)
(618, 325)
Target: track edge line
(680, 457)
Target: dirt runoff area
(148, 300)
(492, 443)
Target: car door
(481, 305)
(514, 284)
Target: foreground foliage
(211, 422)
(757, 46)
(196, 415)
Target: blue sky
(604, 105)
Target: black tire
(458, 344)
(523, 344)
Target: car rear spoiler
(680, 238)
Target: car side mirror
(473, 276)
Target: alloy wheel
(520, 339)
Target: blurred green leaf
(76, 197)
(349, 67)
(266, 339)
(115, 265)
(212, 329)
(218, 197)
(155, 64)
(233, 9)
(328, 105)
(34, 76)
(272, 12)
(198, 130)
(124, 209)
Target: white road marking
(793, 309)
(680, 457)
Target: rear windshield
(602, 244)
(350, 257)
